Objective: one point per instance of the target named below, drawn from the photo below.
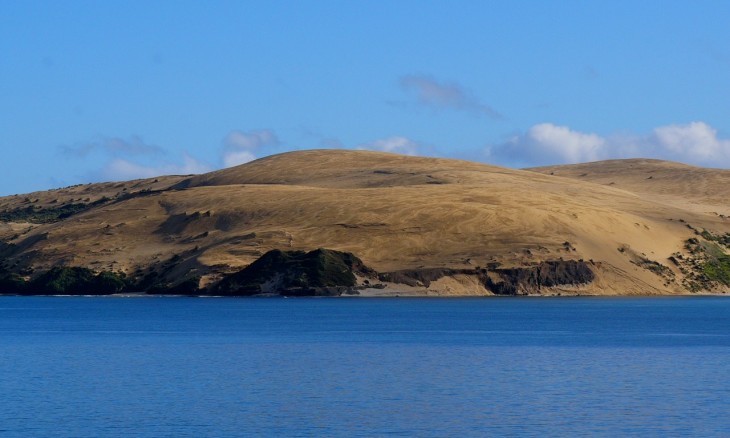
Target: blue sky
(110, 90)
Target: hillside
(675, 184)
(468, 222)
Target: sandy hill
(394, 212)
(676, 184)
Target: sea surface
(175, 367)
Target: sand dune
(676, 184)
(394, 212)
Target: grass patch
(717, 268)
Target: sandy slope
(675, 184)
(394, 212)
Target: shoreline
(359, 296)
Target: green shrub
(718, 269)
(77, 281)
(110, 282)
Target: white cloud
(396, 145)
(234, 158)
(545, 143)
(430, 92)
(240, 147)
(697, 140)
(568, 144)
(121, 169)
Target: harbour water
(172, 366)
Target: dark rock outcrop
(504, 281)
(530, 279)
(321, 272)
(188, 286)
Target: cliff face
(532, 279)
(434, 222)
(298, 273)
(526, 280)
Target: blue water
(89, 367)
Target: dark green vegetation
(76, 280)
(723, 239)
(707, 264)
(718, 269)
(715, 264)
(318, 272)
(65, 281)
(40, 215)
(11, 283)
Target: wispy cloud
(240, 147)
(395, 144)
(546, 143)
(121, 169)
(117, 158)
(430, 92)
(114, 146)
(322, 140)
